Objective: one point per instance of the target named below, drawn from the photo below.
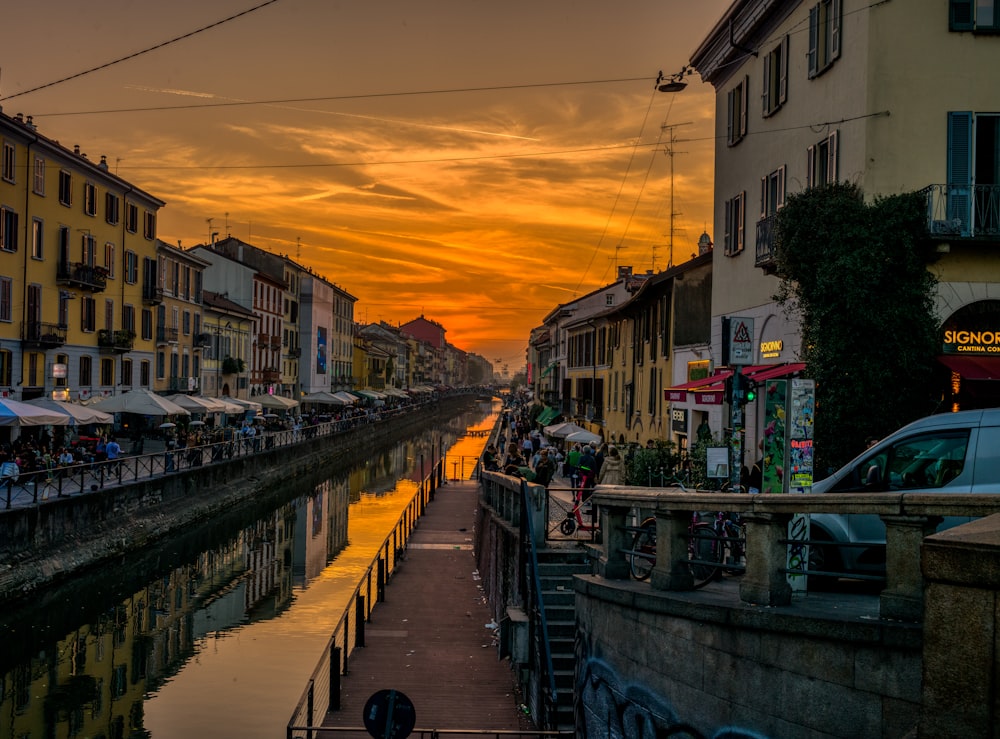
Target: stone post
(671, 571)
(613, 563)
(903, 597)
(764, 583)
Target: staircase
(556, 569)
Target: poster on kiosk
(787, 458)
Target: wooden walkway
(431, 637)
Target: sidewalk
(430, 638)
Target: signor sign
(740, 341)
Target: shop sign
(771, 349)
(678, 420)
(714, 397)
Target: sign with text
(740, 337)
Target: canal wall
(44, 544)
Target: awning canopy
(705, 382)
(972, 367)
(764, 372)
(547, 415)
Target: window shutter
(960, 16)
(744, 106)
(740, 218)
(781, 189)
(728, 237)
(763, 197)
(813, 41)
(783, 72)
(766, 95)
(831, 162)
(730, 116)
(834, 20)
(959, 188)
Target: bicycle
(713, 547)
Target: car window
(928, 461)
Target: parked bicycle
(714, 547)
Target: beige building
(180, 336)
(896, 97)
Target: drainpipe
(28, 176)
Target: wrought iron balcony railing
(963, 211)
(83, 276)
(38, 335)
(166, 335)
(117, 342)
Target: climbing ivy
(856, 275)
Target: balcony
(38, 335)
(82, 276)
(115, 342)
(270, 374)
(202, 340)
(963, 211)
(166, 335)
(766, 228)
(295, 352)
(152, 295)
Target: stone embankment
(48, 543)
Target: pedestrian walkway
(433, 638)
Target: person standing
(545, 470)
(612, 470)
(113, 451)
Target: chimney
(76, 149)
(30, 123)
(103, 163)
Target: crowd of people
(524, 451)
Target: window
(7, 169)
(973, 173)
(34, 378)
(109, 314)
(64, 298)
(149, 225)
(65, 188)
(772, 192)
(126, 372)
(6, 366)
(131, 267)
(88, 250)
(147, 324)
(131, 217)
(107, 371)
(161, 365)
(112, 203)
(86, 371)
(775, 77)
(973, 15)
(109, 258)
(90, 198)
(128, 318)
(8, 229)
(821, 162)
(824, 36)
(38, 186)
(735, 215)
(36, 239)
(736, 121)
(88, 313)
(144, 373)
(6, 298)
(186, 323)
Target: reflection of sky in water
(246, 679)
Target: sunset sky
(474, 163)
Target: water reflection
(217, 630)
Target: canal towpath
(433, 638)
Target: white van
(944, 453)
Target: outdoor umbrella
(584, 437)
(15, 413)
(322, 398)
(277, 402)
(193, 403)
(562, 430)
(246, 405)
(142, 402)
(78, 414)
(346, 397)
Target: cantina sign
(973, 329)
(968, 342)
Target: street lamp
(674, 82)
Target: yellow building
(77, 262)
(179, 333)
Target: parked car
(945, 453)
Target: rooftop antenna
(228, 232)
(298, 247)
(209, 222)
(618, 249)
(669, 151)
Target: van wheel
(823, 558)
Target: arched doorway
(970, 340)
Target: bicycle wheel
(568, 525)
(643, 555)
(705, 550)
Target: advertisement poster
(775, 419)
(321, 350)
(802, 408)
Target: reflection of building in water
(92, 682)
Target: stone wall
(652, 659)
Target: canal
(215, 632)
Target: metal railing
(964, 210)
(349, 633)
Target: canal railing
(322, 692)
(32, 488)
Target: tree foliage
(856, 274)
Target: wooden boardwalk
(430, 638)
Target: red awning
(772, 371)
(705, 382)
(972, 367)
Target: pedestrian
(612, 470)
(588, 472)
(9, 473)
(545, 470)
(113, 451)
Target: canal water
(216, 632)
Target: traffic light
(750, 390)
